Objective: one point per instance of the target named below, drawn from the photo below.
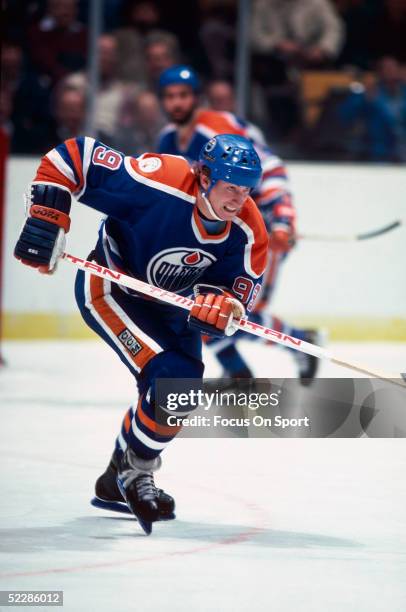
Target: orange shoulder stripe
(73, 150)
(251, 216)
(127, 420)
(50, 174)
(218, 122)
(170, 171)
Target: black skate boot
(135, 480)
(108, 495)
(308, 364)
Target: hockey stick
(245, 325)
(352, 237)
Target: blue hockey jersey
(153, 229)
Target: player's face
(227, 199)
(179, 103)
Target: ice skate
(135, 480)
(109, 497)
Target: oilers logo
(178, 268)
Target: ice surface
(263, 524)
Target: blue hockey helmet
(233, 159)
(179, 75)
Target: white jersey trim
(123, 444)
(58, 161)
(113, 245)
(202, 240)
(248, 247)
(206, 131)
(270, 163)
(104, 326)
(134, 329)
(109, 243)
(171, 127)
(87, 156)
(146, 440)
(273, 183)
(156, 184)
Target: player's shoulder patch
(150, 164)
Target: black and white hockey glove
(42, 238)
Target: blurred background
(326, 78)
(325, 81)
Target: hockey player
(188, 230)
(190, 128)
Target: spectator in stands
(139, 18)
(161, 52)
(26, 98)
(112, 95)
(377, 112)
(388, 37)
(143, 15)
(17, 16)
(57, 43)
(359, 17)
(221, 96)
(112, 10)
(217, 34)
(286, 35)
(138, 131)
(69, 113)
(304, 32)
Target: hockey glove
(215, 311)
(283, 234)
(42, 238)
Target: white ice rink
(288, 525)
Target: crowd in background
(328, 77)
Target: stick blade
(380, 231)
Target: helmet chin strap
(209, 206)
(205, 196)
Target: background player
(172, 226)
(190, 128)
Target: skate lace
(145, 485)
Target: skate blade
(146, 525)
(114, 506)
(122, 508)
